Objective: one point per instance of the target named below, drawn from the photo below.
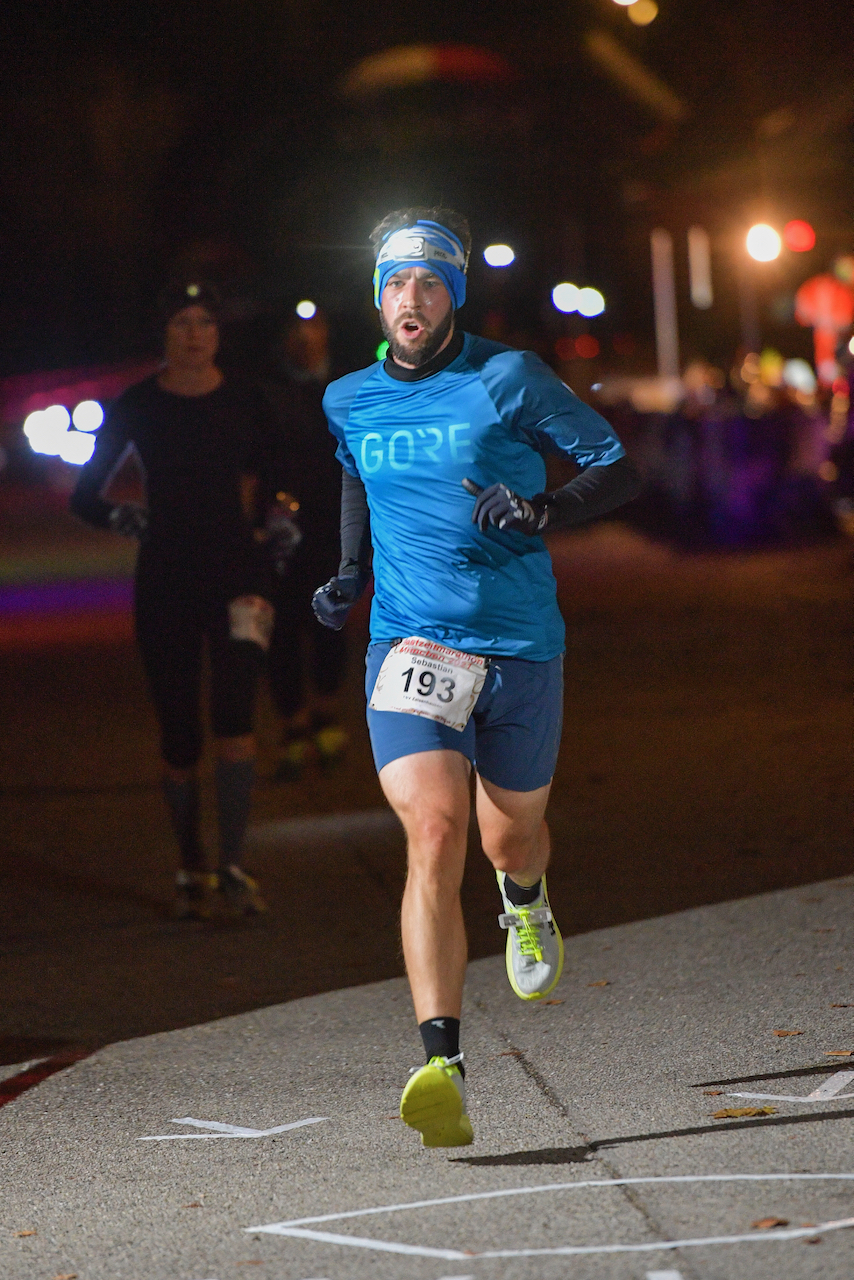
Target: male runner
(442, 446)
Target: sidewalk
(654, 1026)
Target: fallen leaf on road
(19, 1234)
(765, 1224)
(511, 1053)
(813, 1240)
(736, 1113)
(842, 1006)
(603, 982)
(712, 1093)
(832, 929)
(66, 1275)
(553, 1002)
(196, 1204)
(838, 1053)
(788, 1033)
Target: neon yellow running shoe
(434, 1103)
(534, 955)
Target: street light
(498, 255)
(565, 296)
(306, 309)
(590, 301)
(763, 243)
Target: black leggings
(172, 625)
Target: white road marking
(227, 1130)
(664, 1275)
(297, 1228)
(830, 1089)
(16, 1068)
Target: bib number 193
(422, 678)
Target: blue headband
(427, 244)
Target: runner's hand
(505, 509)
(129, 519)
(332, 602)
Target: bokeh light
(763, 243)
(798, 236)
(798, 374)
(586, 345)
(625, 3)
(643, 12)
(306, 309)
(590, 301)
(851, 346)
(76, 447)
(498, 255)
(46, 429)
(382, 351)
(565, 296)
(88, 415)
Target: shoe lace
(438, 1061)
(528, 935)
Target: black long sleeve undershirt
(355, 528)
(594, 492)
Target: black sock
(441, 1037)
(182, 801)
(233, 780)
(519, 895)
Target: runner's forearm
(355, 527)
(592, 493)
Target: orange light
(798, 236)
(586, 346)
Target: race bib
(423, 678)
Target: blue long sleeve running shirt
(491, 415)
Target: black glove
(502, 507)
(129, 519)
(332, 602)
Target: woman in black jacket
(205, 442)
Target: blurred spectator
(306, 662)
(210, 455)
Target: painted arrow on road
(227, 1130)
(831, 1088)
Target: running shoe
(534, 946)
(192, 895)
(240, 892)
(434, 1103)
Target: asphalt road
(596, 1153)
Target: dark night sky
(212, 135)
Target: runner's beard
(418, 356)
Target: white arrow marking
(227, 1130)
(830, 1089)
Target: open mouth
(411, 329)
